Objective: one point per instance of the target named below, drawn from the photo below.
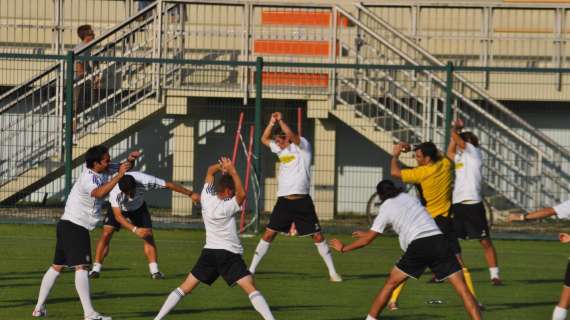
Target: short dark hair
(278, 132)
(386, 189)
(84, 31)
(127, 183)
(470, 137)
(225, 182)
(95, 154)
(428, 149)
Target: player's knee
(486, 243)
(318, 237)
(57, 267)
(269, 235)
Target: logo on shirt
(459, 165)
(286, 158)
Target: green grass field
(292, 277)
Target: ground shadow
(517, 305)
(102, 295)
(226, 309)
(540, 281)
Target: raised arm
(266, 137)
(212, 170)
(293, 137)
(364, 238)
(229, 168)
(456, 140)
(103, 190)
(180, 189)
(535, 215)
(395, 169)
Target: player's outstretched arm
(103, 190)
(293, 137)
(229, 168)
(266, 136)
(140, 232)
(397, 150)
(212, 170)
(180, 189)
(364, 238)
(535, 215)
(455, 141)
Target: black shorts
(73, 246)
(218, 262)
(433, 252)
(470, 221)
(567, 276)
(445, 224)
(301, 211)
(139, 217)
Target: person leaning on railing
(562, 211)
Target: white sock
(494, 272)
(559, 313)
(173, 298)
(260, 305)
(97, 267)
(369, 317)
(82, 287)
(325, 252)
(153, 267)
(260, 251)
(47, 283)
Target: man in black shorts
(424, 246)
(221, 255)
(294, 205)
(81, 215)
(128, 209)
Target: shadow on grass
(102, 295)
(274, 308)
(541, 281)
(517, 305)
(386, 315)
(39, 274)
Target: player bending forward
(294, 205)
(221, 255)
(127, 202)
(563, 212)
(81, 215)
(423, 243)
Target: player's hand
(336, 245)
(564, 237)
(278, 116)
(195, 197)
(458, 124)
(358, 234)
(399, 148)
(515, 217)
(227, 165)
(143, 233)
(134, 155)
(124, 167)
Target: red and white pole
(247, 174)
(236, 141)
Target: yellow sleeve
(414, 175)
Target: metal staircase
(521, 163)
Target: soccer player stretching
(294, 205)
(562, 211)
(469, 219)
(82, 213)
(423, 244)
(127, 202)
(221, 255)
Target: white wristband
(134, 229)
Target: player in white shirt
(82, 213)
(424, 245)
(294, 204)
(222, 254)
(469, 218)
(128, 209)
(562, 211)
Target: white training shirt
(408, 218)
(563, 210)
(81, 208)
(219, 219)
(144, 182)
(468, 175)
(294, 169)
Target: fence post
(257, 138)
(69, 75)
(448, 103)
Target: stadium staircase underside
(522, 165)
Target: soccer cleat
(94, 274)
(98, 316)
(40, 313)
(481, 306)
(336, 278)
(497, 282)
(157, 276)
(393, 306)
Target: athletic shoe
(393, 306)
(40, 313)
(497, 282)
(481, 306)
(157, 276)
(336, 278)
(94, 274)
(97, 316)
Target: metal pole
(448, 102)
(257, 139)
(69, 75)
